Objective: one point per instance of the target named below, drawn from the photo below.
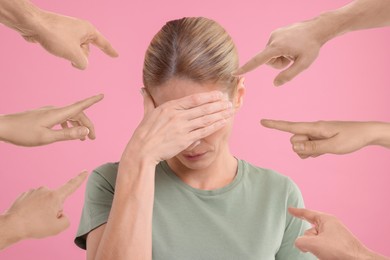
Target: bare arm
(311, 139)
(26, 218)
(164, 132)
(301, 42)
(62, 36)
(329, 239)
(35, 127)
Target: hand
(67, 37)
(173, 126)
(38, 213)
(34, 128)
(329, 239)
(336, 137)
(299, 43)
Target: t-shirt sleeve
(99, 195)
(294, 228)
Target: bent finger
(85, 121)
(77, 124)
(72, 133)
(78, 59)
(313, 148)
(291, 72)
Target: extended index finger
(291, 127)
(74, 109)
(102, 43)
(306, 214)
(72, 185)
(267, 54)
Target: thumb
(74, 133)
(312, 147)
(79, 60)
(291, 72)
(62, 223)
(308, 244)
(148, 101)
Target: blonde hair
(193, 48)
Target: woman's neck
(217, 175)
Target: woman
(179, 192)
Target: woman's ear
(239, 95)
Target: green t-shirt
(247, 219)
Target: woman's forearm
(128, 233)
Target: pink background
(349, 81)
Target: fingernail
(299, 147)
(278, 83)
(142, 91)
(83, 131)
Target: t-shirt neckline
(237, 179)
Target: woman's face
(211, 147)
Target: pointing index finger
(74, 109)
(72, 185)
(286, 126)
(306, 214)
(267, 54)
(102, 43)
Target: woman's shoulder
(105, 173)
(265, 176)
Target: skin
(300, 43)
(180, 120)
(312, 139)
(35, 127)
(37, 213)
(62, 36)
(320, 239)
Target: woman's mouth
(194, 157)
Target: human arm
(164, 132)
(62, 36)
(329, 239)
(312, 139)
(300, 43)
(37, 213)
(34, 127)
